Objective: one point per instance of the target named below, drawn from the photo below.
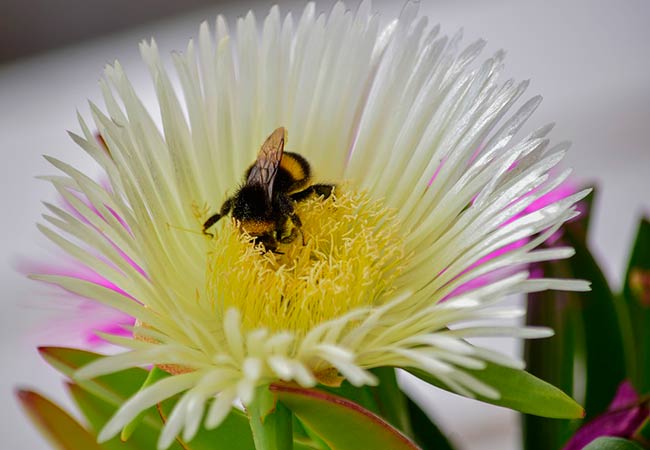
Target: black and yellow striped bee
(265, 204)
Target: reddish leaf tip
(52, 349)
(45, 351)
(24, 395)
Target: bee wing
(268, 160)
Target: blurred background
(590, 59)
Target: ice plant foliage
(393, 115)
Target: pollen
(352, 254)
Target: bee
(264, 205)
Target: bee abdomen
(293, 173)
(256, 227)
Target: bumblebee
(264, 205)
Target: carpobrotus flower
(412, 133)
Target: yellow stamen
(352, 254)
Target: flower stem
(270, 422)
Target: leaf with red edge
(114, 388)
(341, 423)
(97, 412)
(56, 425)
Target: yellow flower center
(353, 252)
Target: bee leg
(285, 206)
(289, 237)
(269, 243)
(225, 209)
(324, 190)
(294, 231)
(297, 223)
(297, 228)
(282, 228)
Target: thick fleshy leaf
(362, 396)
(270, 422)
(587, 333)
(233, 433)
(552, 359)
(113, 388)
(386, 399)
(56, 425)
(98, 412)
(306, 438)
(605, 354)
(155, 374)
(636, 292)
(520, 391)
(609, 443)
(426, 433)
(342, 424)
(392, 402)
(378, 399)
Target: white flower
(415, 135)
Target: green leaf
(55, 424)
(519, 390)
(155, 374)
(114, 388)
(342, 424)
(270, 422)
(427, 434)
(605, 354)
(390, 403)
(552, 359)
(393, 404)
(233, 433)
(636, 294)
(612, 443)
(303, 435)
(588, 336)
(363, 395)
(386, 399)
(98, 412)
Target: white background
(589, 59)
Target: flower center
(353, 252)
